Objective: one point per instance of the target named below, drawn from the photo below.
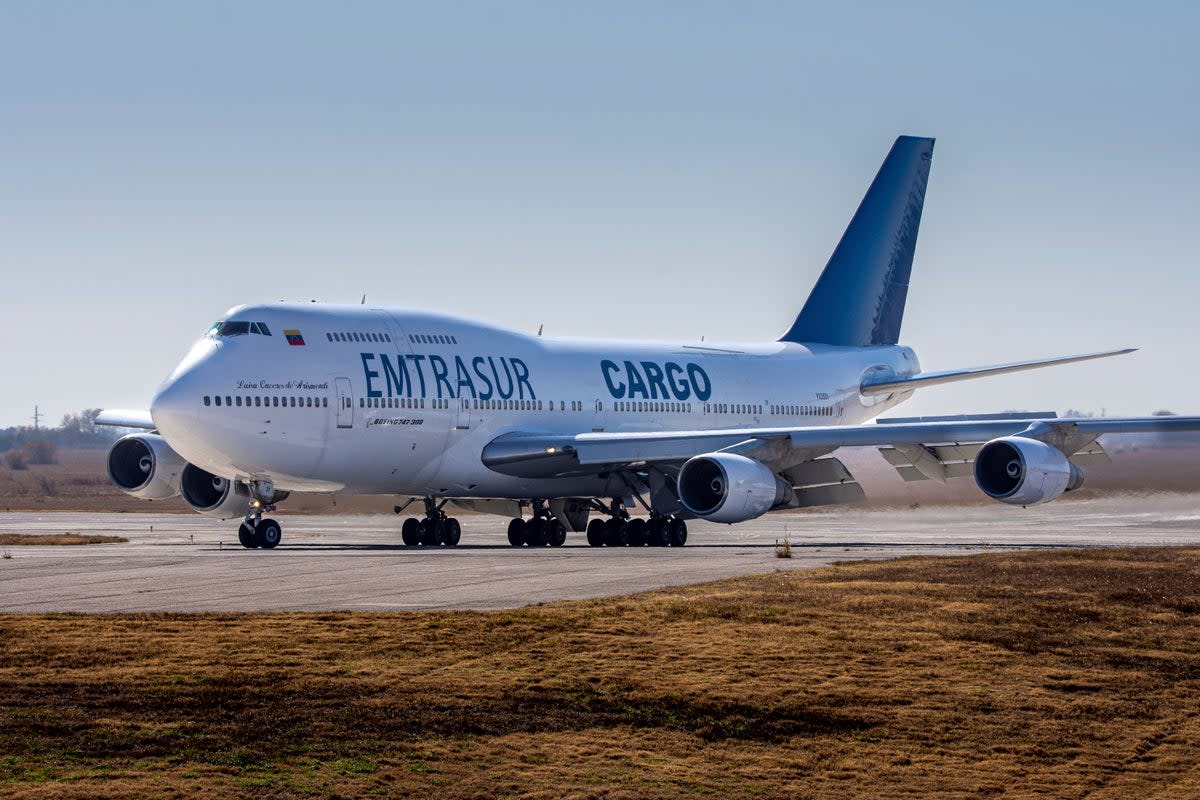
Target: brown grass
(21, 539)
(1060, 674)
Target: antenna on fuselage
(363, 302)
(540, 326)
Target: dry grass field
(1070, 674)
(25, 539)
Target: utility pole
(37, 417)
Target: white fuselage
(403, 402)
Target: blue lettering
(420, 371)
(477, 364)
(679, 387)
(654, 376)
(396, 382)
(522, 373)
(370, 373)
(637, 387)
(504, 393)
(695, 374)
(464, 377)
(608, 368)
(440, 373)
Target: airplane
(309, 397)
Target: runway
(176, 562)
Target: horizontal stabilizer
(888, 383)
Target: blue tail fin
(859, 298)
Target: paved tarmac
(176, 562)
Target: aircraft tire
(535, 532)
(516, 532)
(616, 532)
(558, 533)
(268, 533)
(656, 532)
(595, 533)
(246, 536)
(410, 532)
(431, 531)
(452, 532)
(637, 532)
(678, 529)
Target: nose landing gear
(257, 530)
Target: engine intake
(1024, 472)
(724, 487)
(213, 495)
(145, 466)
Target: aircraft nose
(179, 400)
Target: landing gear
(268, 533)
(257, 530)
(246, 535)
(621, 530)
(543, 529)
(434, 529)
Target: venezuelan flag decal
(293, 336)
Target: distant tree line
(77, 431)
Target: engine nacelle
(145, 466)
(724, 487)
(1024, 472)
(213, 495)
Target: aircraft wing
(917, 441)
(885, 383)
(126, 418)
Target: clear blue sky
(640, 169)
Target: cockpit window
(231, 328)
(236, 328)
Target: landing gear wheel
(410, 532)
(431, 532)
(452, 532)
(268, 533)
(637, 532)
(246, 536)
(658, 532)
(535, 532)
(516, 532)
(557, 534)
(616, 533)
(678, 529)
(595, 533)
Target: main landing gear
(543, 529)
(434, 529)
(620, 530)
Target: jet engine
(213, 495)
(145, 466)
(1024, 472)
(725, 487)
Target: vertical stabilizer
(859, 298)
